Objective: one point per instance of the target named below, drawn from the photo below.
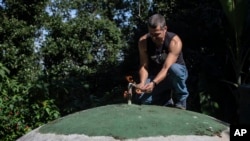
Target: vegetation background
(58, 57)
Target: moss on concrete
(133, 121)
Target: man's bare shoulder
(175, 44)
(176, 38)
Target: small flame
(129, 78)
(138, 91)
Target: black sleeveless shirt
(157, 56)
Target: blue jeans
(161, 94)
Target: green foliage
(28, 11)
(17, 36)
(22, 109)
(208, 88)
(236, 12)
(17, 49)
(83, 45)
(76, 50)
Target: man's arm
(143, 73)
(175, 48)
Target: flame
(138, 91)
(129, 78)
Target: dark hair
(156, 20)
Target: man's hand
(148, 88)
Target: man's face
(157, 34)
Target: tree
(18, 31)
(236, 12)
(239, 54)
(23, 105)
(77, 48)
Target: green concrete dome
(122, 121)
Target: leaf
(236, 11)
(11, 107)
(47, 110)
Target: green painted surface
(133, 121)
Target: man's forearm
(143, 73)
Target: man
(162, 66)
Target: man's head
(157, 28)
(156, 20)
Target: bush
(22, 107)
